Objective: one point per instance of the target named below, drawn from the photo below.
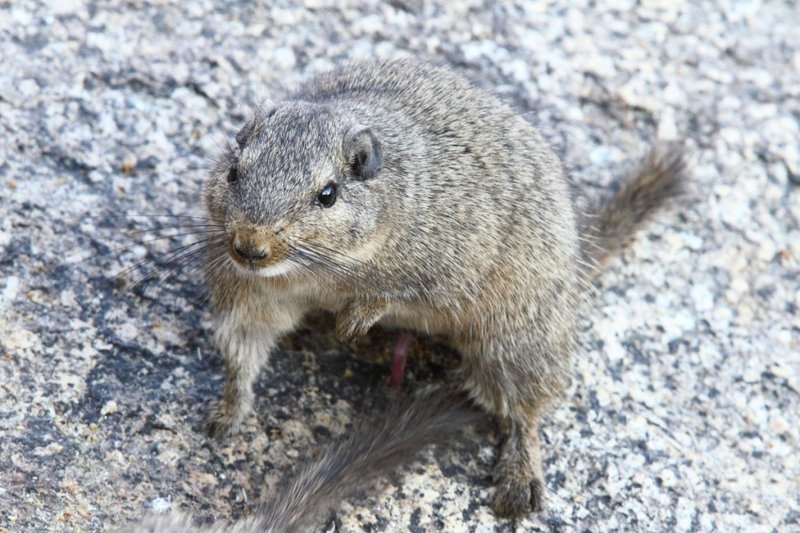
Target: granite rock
(684, 406)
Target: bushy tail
(660, 177)
(373, 449)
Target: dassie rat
(398, 193)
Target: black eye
(233, 175)
(327, 196)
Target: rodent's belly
(417, 318)
(402, 315)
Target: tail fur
(659, 178)
(374, 448)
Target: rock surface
(683, 413)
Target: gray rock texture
(683, 413)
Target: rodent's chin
(278, 269)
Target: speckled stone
(686, 393)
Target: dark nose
(249, 253)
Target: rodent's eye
(233, 175)
(327, 196)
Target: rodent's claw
(537, 495)
(217, 429)
(516, 498)
(214, 430)
(221, 422)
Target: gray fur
(466, 229)
(379, 444)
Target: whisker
(185, 271)
(338, 253)
(337, 271)
(86, 254)
(162, 215)
(160, 237)
(303, 266)
(166, 270)
(170, 254)
(187, 258)
(165, 228)
(148, 215)
(190, 253)
(214, 268)
(346, 269)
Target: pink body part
(399, 356)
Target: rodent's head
(297, 191)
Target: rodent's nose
(249, 246)
(249, 253)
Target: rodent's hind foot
(223, 420)
(518, 479)
(517, 498)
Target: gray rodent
(396, 192)
(378, 444)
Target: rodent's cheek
(215, 204)
(215, 213)
(284, 243)
(367, 208)
(279, 250)
(322, 231)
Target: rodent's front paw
(516, 498)
(356, 319)
(349, 328)
(223, 420)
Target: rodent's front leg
(358, 316)
(245, 337)
(245, 350)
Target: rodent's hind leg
(503, 377)
(358, 316)
(518, 479)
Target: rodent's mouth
(280, 268)
(256, 252)
(265, 267)
(248, 264)
(249, 256)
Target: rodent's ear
(251, 129)
(246, 133)
(363, 151)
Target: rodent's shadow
(166, 389)
(312, 357)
